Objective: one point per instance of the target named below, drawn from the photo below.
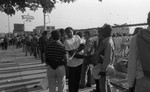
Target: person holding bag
(74, 48)
(97, 59)
(107, 68)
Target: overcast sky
(84, 14)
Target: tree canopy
(11, 6)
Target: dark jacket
(43, 42)
(143, 45)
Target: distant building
(29, 32)
(35, 31)
(40, 29)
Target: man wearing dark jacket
(43, 42)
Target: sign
(27, 17)
(18, 27)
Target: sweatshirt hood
(144, 34)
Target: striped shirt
(55, 53)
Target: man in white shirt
(74, 63)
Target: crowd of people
(4, 43)
(28, 42)
(87, 60)
(75, 56)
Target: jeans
(86, 75)
(42, 57)
(104, 84)
(97, 85)
(56, 78)
(74, 78)
(27, 49)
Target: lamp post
(35, 7)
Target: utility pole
(44, 21)
(8, 25)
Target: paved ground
(19, 73)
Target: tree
(11, 6)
